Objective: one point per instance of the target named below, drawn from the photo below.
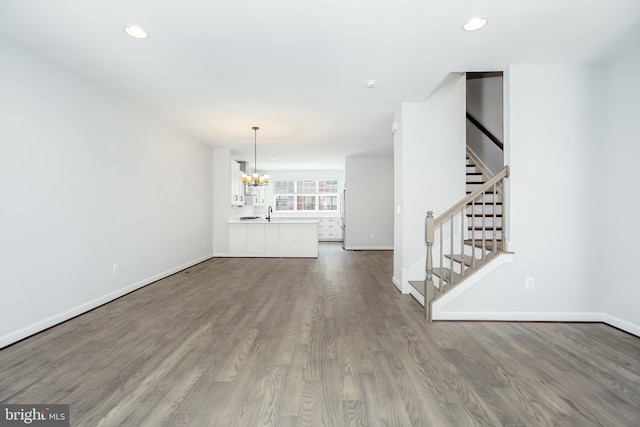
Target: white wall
(86, 182)
(554, 210)
(398, 201)
(484, 103)
(369, 202)
(431, 142)
(221, 160)
(616, 215)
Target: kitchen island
(276, 238)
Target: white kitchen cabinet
(255, 238)
(257, 196)
(307, 239)
(237, 186)
(329, 229)
(288, 238)
(294, 239)
(272, 240)
(260, 196)
(237, 238)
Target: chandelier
(256, 179)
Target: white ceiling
(297, 68)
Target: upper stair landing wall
(485, 103)
(429, 167)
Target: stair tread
(484, 203)
(468, 259)
(477, 228)
(418, 286)
(446, 274)
(485, 215)
(487, 242)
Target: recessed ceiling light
(136, 32)
(371, 83)
(475, 23)
(324, 158)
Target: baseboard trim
(263, 255)
(488, 316)
(369, 248)
(621, 324)
(524, 316)
(396, 283)
(47, 323)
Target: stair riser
(487, 222)
(472, 168)
(474, 180)
(488, 198)
(473, 186)
(459, 259)
(469, 187)
(477, 252)
(446, 274)
(484, 209)
(478, 249)
(488, 234)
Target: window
(284, 187)
(306, 195)
(306, 203)
(328, 203)
(306, 187)
(330, 186)
(284, 203)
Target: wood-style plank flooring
(316, 342)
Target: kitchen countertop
(274, 221)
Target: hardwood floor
(316, 342)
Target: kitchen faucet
(269, 213)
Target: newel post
(428, 283)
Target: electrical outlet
(202, 244)
(115, 268)
(372, 236)
(529, 282)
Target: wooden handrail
(485, 131)
(504, 173)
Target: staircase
(464, 238)
(485, 220)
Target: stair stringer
(437, 307)
(486, 172)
